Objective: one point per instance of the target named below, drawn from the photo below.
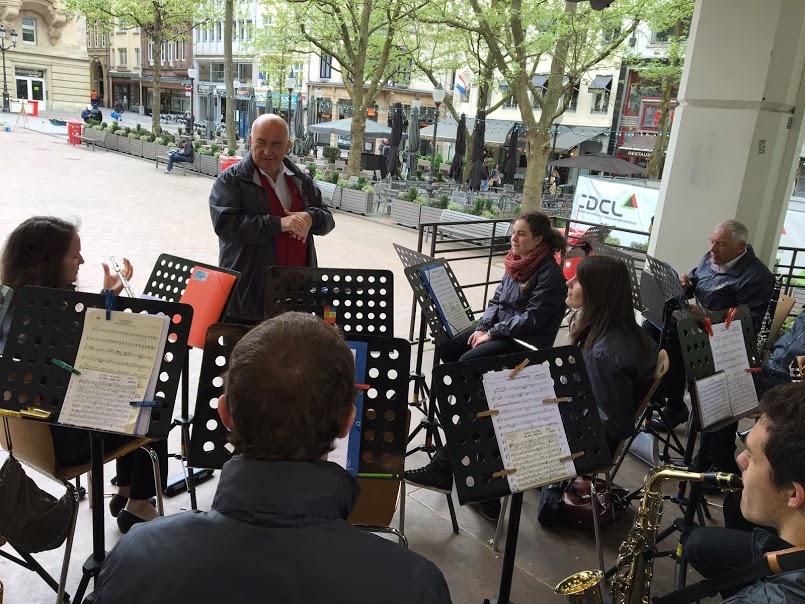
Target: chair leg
(68, 548)
(597, 523)
(157, 478)
(402, 512)
(501, 522)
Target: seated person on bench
(528, 305)
(620, 357)
(784, 352)
(773, 469)
(278, 529)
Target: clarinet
(765, 327)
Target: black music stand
(385, 413)
(49, 322)
(698, 359)
(472, 446)
(6, 294)
(167, 281)
(602, 249)
(358, 300)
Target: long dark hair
(34, 253)
(606, 302)
(539, 224)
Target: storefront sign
(205, 89)
(615, 203)
(29, 73)
(635, 153)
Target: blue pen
(147, 404)
(109, 298)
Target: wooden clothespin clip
(518, 369)
(487, 413)
(561, 399)
(572, 456)
(708, 326)
(731, 314)
(504, 472)
(753, 370)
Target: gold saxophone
(631, 583)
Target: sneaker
(167, 171)
(488, 509)
(430, 477)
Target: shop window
(244, 72)
(510, 103)
(217, 74)
(29, 30)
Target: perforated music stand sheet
(602, 249)
(6, 294)
(597, 233)
(384, 423)
(357, 300)
(475, 452)
(668, 282)
(428, 305)
(48, 324)
(698, 357)
(410, 257)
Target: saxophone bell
(582, 588)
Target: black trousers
(134, 470)
(457, 349)
(712, 551)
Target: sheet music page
(530, 432)
(445, 295)
(729, 356)
(100, 400)
(713, 398)
(129, 343)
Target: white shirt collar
(286, 170)
(728, 265)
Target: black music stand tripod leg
(92, 567)
(507, 574)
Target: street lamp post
(192, 73)
(290, 84)
(438, 97)
(3, 49)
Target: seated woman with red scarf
(528, 305)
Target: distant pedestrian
(182, 154)
(484, 176)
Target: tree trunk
(356, 136)
(656, 161)
(158, 39)
(229, 118)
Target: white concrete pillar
(738, 130)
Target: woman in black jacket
(619, 356)
(528, 304)
(46, 251)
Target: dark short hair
(290, 383)
(539, 224)
(783, 410)
(34, 252)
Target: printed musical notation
(729, 356)
(444, 295)
(530, 433)
(128, 343)
(100, 400)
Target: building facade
(125, 66)
(50, 62)
(175, 57)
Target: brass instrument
(768, 318)
(631, 583)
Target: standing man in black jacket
(265, 212)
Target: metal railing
(793, 273)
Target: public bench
(93, 138)
(329, 193)
(480, 232)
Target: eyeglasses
(742, 434)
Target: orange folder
(207, 292)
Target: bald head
(269, 142)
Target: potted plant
(355, 199)
(331, 153)
(405, 210)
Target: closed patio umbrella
(393, 160)
(269, 102)
(510, 168)
(344, 128)
(310, 138)
(413, 141)
(477, 155)
(456, 167)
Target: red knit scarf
(522, 268)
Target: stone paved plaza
(126, 207)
